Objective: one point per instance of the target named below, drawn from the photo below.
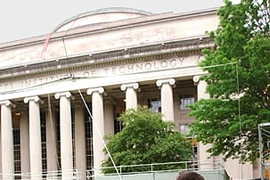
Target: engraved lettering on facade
(110, 71)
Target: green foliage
(146, 139)
(238, 82)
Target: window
(17, 154)
(89, 138)
(184, 129)
(154, 104)
(186, 100)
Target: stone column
(131, 94)
(65, 134)
(98, 126)
(205, 160)
(234, 168)
(34, 137)
(109, 116)
(0, 148)
(80, 144)
(201, 88)
(51, 142)
(24, 145)
(7, 141)
(167, 108)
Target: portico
(65, 120)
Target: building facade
(61, 95)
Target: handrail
(150, 168)
(46, 175)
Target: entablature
(182, 47)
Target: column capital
(100, 90)
(130, 85)
(60, 94)
(32, 98)
(6, 103)
(165, 81)
(196, 80)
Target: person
(189, 175)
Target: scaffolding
(264, 148)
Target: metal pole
(261, 151)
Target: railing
(209, 169)
(49, 175)
(155, 171)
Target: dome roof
(100, 16)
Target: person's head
(189, 175)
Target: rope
(103, 142)
(54, 131)
(239, 116)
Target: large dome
(100, 16)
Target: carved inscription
(135, 68)
(97, 72)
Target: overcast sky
(27, 18)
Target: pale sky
(28, 18)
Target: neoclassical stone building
(61, 94)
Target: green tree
(238, 82)
(146, 139)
